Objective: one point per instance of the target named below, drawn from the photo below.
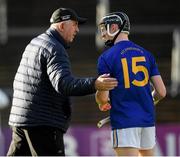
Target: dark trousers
(36, 141)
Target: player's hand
(156, 101)
(104, 107)
(105, 82)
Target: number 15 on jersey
(135, 69)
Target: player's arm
(102, 99)
(159, 91)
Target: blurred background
(154, 25)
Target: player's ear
(114, 27)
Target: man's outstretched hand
(105, 82)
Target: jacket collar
(55, 34)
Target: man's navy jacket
(43, 84)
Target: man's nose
(77, 29)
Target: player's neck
(121, 37)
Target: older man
(41, 109)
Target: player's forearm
(102, 97)
(159, 91)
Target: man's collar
(58, 37)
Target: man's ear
(61, 26)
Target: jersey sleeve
(102, 66)
(154, 68)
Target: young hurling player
(132, 108)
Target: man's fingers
(105, 75)
(109, 79)
(108, 86)
(104, 82)
(111, 83)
